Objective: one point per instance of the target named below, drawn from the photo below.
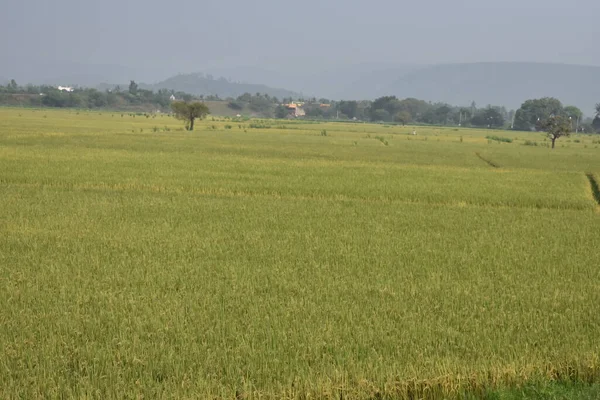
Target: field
(270, 259)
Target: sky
(155, 39)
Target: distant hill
(199, 84)
(507, 84)
(347, 82)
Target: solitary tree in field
(555, 126)
(189, 112)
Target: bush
(530, 143)
(236, 105)
(259, 126)
(499, 139)
(382, 140)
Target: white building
(65, 88)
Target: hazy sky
(310, 35)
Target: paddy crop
(281, 263)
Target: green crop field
(275, 259)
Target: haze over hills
(200, 84)
(352, 81)
(501, 83)
(358, 50)
(507, 84)
(34, 71)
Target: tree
(575, 115)
(246, 98)
(555, 126)
(380, 115)
(236, 105)
(403, 117)
(133, 88)
(260, 104)
(573, 112)
(464, 116)
(281, 112)
(189, 112)
(491, 117)
(596, 121)
(384, 108)
(438, 114)
(416, 108)
(348, 108)
(536, 110)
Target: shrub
(259, 126)
(236, 105)
(382, 140)
(499, 139)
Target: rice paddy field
(294, 260)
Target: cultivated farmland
(270, 259)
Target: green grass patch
(499, 139)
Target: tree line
(386, 109)
(390, 109)
(116, 98)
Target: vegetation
(48, 96)
(200, 84)
(189, 112)
(499, 139)
(555, 126)
(491, 117)
(386, 109)
(279, 263)
(533, 111)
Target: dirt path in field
(488, 162)
(594, 186)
